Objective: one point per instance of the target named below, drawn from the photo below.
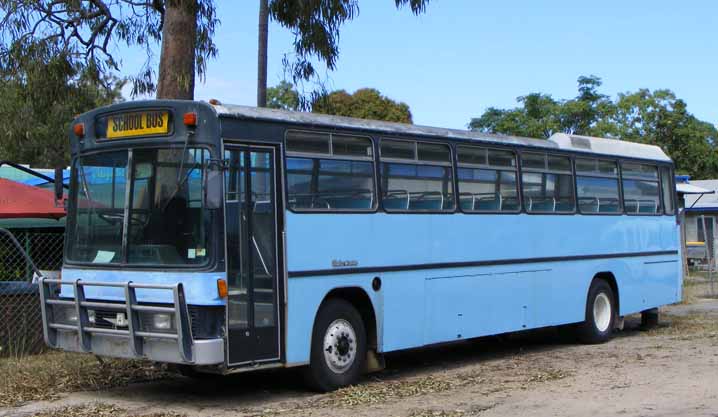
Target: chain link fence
(20, 316)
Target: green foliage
(88, 32)
(654, 117)
(365, 103)
(39, 97)
(283, 96)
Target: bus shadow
(253, 389)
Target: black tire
(649, 319)
(319, 375)
(594, 329)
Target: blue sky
(463, 56)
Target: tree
(540, 115)
(39, 100)
(365, 103)
(262, 46)
(88, 32)
(654, 117)
(315, 25)
(283, 96)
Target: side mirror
(213, 183)
(59, 191)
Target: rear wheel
(338, 346)
(600, 314)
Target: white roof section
(610, 147)
(705, 201)
(683, 188)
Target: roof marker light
(79, 130)
(190, 119)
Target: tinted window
(545, 188)
(434, 153)
(641, 197)
(639, 171)
(340, 177)
(533, 160)
(351, 146)
(398, 149)
(487, 189)
(330, 184)
(547, 193)
(598, 195)
(425, 185)
(414, 187)
(597, 186)
(668, 190)
(640, 188)
(307, 142)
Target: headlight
(64, 314)
(162, 321)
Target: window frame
(216, 221)
(547, 154)
(671, 186)
(659, 212)
(617, 177)
(319, 156)
(515, 170)
(451, 165)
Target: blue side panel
(200, 288)
(424, 306)
(306, 296)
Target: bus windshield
(159, 219)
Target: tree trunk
(262, 53)
(179, 33)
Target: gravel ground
(671, 370)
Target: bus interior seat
(396, 200)
(491, 202)
(426, 201)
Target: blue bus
(226, 238)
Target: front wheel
(338, 347)
(600, 314)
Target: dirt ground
(668, 371)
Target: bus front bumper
(73, 325)
(204, 352)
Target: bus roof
(611, 147)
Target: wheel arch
(359, 298)
(610, 279)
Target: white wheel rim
(339, 346)
(602, 312)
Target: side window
(669, 190)
(416, 176)
(487, 180)
(597, 186)
(640, 188)
(547, 183)
(328, 172)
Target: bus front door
(251, 230)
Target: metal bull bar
(134, 333)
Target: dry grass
(380, 392)
(99, 410)
(519, 376)
(692, 326)
(42, 377)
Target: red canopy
(18, 200)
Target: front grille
(105, 319)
